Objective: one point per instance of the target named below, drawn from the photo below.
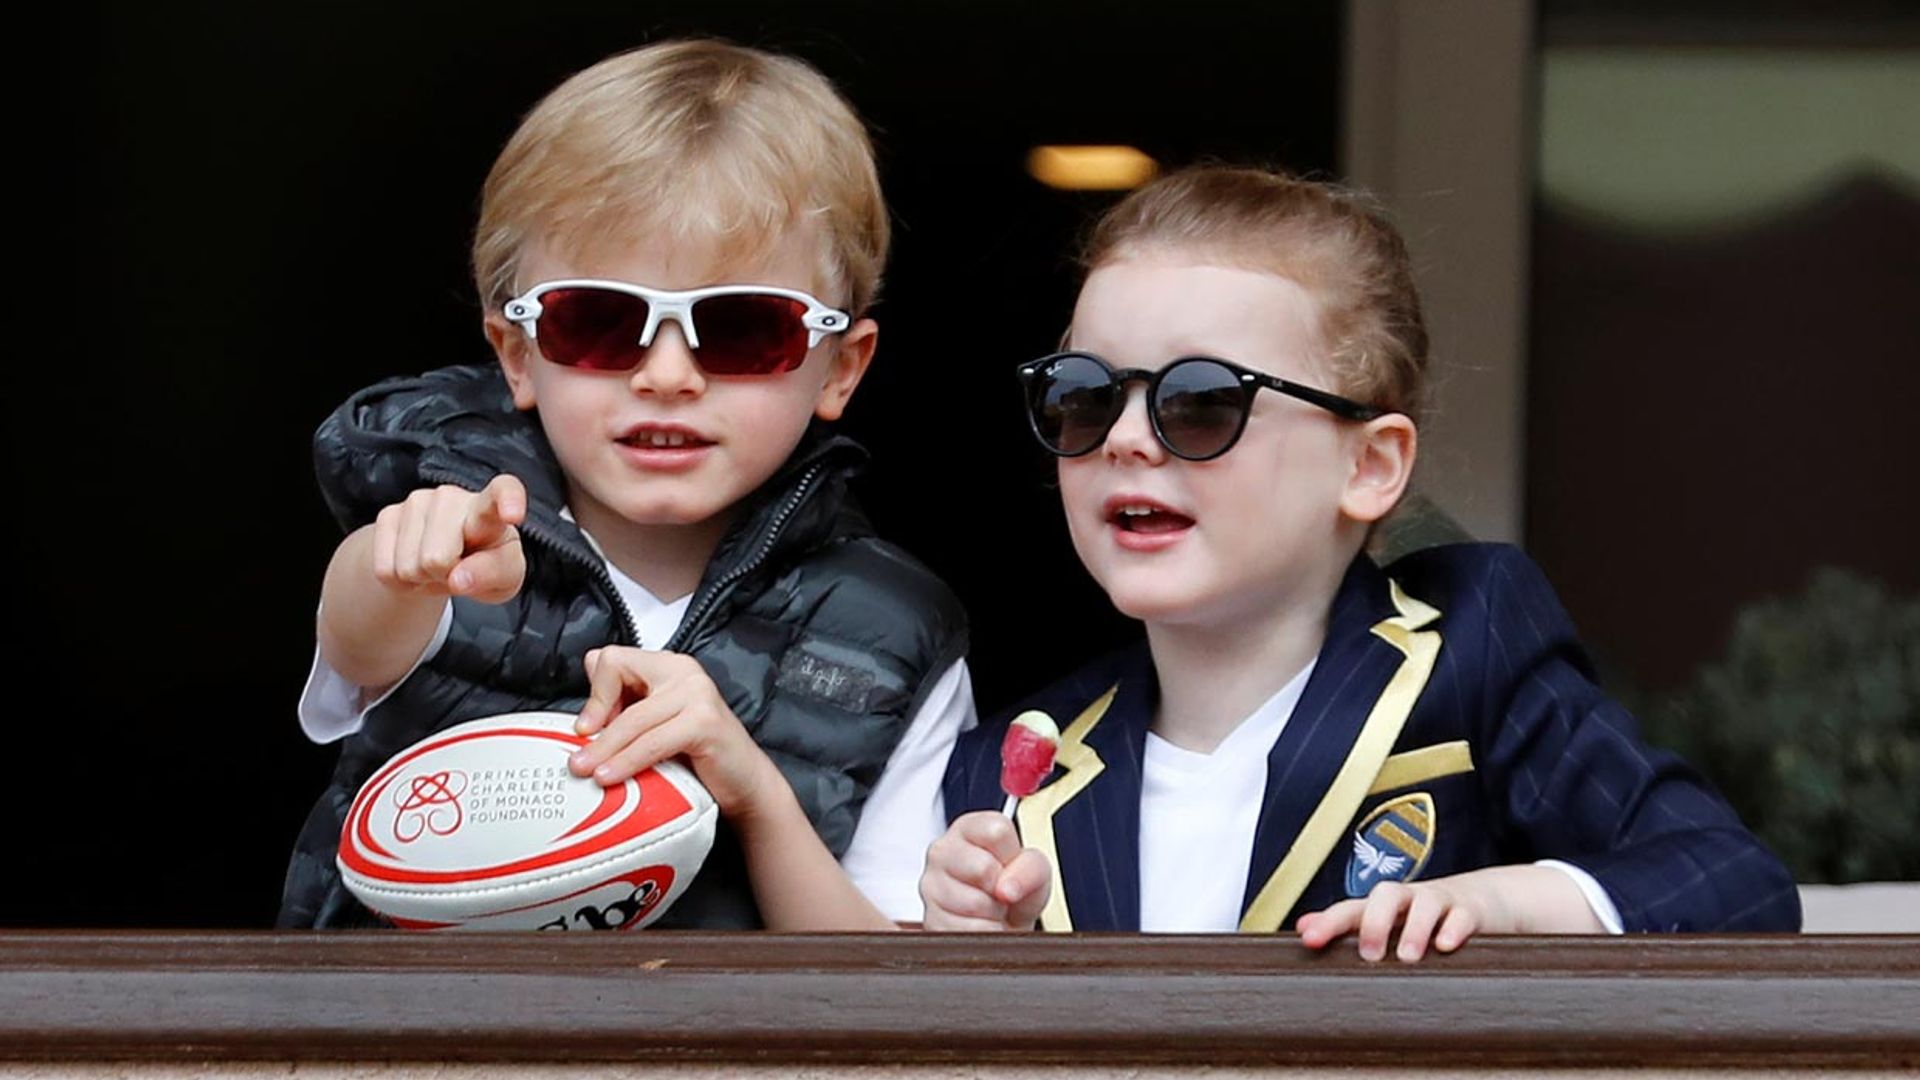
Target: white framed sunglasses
(732, 329)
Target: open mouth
(1146, 518)
(649, 437)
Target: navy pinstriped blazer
(1452, 721)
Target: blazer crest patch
(1392, 844)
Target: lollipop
(1026, 755)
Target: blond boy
(637, 513)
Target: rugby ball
(482, 827)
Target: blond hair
(1330, 241)
(702, 143)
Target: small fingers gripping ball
(482, 826)
(1026, 755)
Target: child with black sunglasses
(637, 515)
(1306, 739)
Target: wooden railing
(1671, 1002)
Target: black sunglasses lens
(591, 328)
(1073, 402)
(1200, 407)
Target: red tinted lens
(591, 328)
(750, 334)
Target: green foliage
(1811, 727)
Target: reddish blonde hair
(1330, 241)
(706, 143)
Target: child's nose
(1131, 438)
(669, 368)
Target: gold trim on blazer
(1035, 812)
(1419, 766)
(1328, 823)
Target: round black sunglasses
(1198, 405)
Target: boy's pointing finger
(502, 504)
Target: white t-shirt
(1203, 809)
(902, 815)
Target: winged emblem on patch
(1392, 843)
(1374, 862)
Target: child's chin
(666, 521)
(1143, 602)
(676, 513)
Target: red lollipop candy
(1026, 754)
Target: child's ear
(848, 364)
(1383, 452)
(515, 352)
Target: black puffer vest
(823, 639)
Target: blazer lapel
(1369, 674)
(1087, 820)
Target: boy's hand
(978, 877)
(1447, 911)
(650, 706)
(451, 541)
